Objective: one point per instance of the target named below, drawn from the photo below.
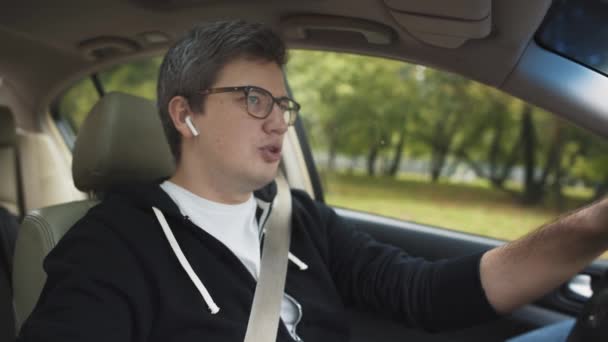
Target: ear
(179, 109)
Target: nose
(277, 121)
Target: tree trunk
(601, 189)
(371, 159)
(437, 163)
(553, 156)
(444, 132)
(462, 151)
(398, 153)
(494, 151)
(511, 161)
(332, 153)
(560, 204)
(557, 167)
(352, 165)
(532, 192)
(554, 163)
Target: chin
(262, 180)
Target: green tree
(439, 122)
(491, 144)
(355, 105)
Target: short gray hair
(193, 63)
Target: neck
(202, 184)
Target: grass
(473, 208)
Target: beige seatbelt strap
(265, 311)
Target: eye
(253, 99)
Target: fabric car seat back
(122, 140)
(10, 205)
(9, 184)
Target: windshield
(578, 30)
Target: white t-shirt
(236, 226)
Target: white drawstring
(188, 268)
(301, 265)
(265, 207)
(184, 262)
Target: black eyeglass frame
(293, 111)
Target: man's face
(235, 149)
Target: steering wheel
(592, 323)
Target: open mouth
(274, 149)
(271, 153)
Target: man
(224, 104)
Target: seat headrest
(121, 141)
(8, 130)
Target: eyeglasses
(260, 102)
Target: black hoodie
(114, 277)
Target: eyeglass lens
(260, 103)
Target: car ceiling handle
(300, 27)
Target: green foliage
(350, 101)
(364, 106)
(137, 78)
(593, 167)
(76, 103)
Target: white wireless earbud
(191, 126)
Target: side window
(76, 103)
(421, 145)
(137, 78)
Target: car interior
(47, 180)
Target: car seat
(11, 203)
(121, 141)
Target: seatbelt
(265, 311)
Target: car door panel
(434, 244)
